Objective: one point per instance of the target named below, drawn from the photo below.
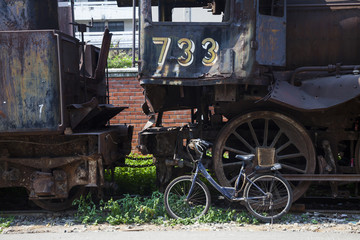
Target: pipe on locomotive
(330, 68)
(61, 125)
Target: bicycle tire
(176, 204)
(277, 201)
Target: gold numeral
(189, 47)
(211, 56)
(165, 42)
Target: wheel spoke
(232, 164)
(253, 134)
(235, 150)
(276, 139)
(282, 147)
(276, 202)
(294, 155)
(244, 141)
(266, 132)
(293, 168)
(179, 206)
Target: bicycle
(266, 194)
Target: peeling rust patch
(2, 114)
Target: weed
(314, 221)
(139, 210)
(244, 217)
(304, 217)
(135, 209)
(287, 218)
(87, 210)
(5, 222)
(119, 59)
(134, 180)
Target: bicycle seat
(246, 158)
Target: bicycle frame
(228, 192)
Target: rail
(323, 177)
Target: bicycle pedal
(221, 197)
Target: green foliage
(140, 210)
(314, 221)
(136, 209)
(87, 210)
(135, 180)
(119, 59)
(218, 215)
(5, 222)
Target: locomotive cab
(205, 43)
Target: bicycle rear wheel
(179, 206)
(268, 197)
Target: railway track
(18, 205)
(36, 213)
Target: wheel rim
(265, 129)
(193, 207)
(61, 204)
(277, 199)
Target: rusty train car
(55, 140)
(277, 78)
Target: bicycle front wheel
(268, 197)
(177, 203)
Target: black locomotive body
(55, 139)
(278, 78)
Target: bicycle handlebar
(199, 145)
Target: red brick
(128, 92)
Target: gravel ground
(306, 222)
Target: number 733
(188, 46)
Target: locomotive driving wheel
(271, 133)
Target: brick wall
(125, 90)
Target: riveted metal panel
(271, 39)
(318, 93)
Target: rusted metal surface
(103, 56)
(28, 15)
(54, 132)
(271, 33)
(322, 32)
(65, 14)
(71, 160)
(29, 81)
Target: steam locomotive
(277, 78)
(55, 140)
